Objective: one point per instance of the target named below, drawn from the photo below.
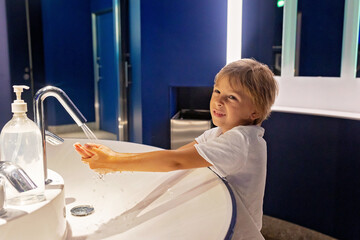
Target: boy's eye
(216, 91)
(232, 97)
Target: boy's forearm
(159, 161)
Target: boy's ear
(255, 115)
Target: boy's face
(230, 108)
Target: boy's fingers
(83, 154)
(88, 148)
(90, 153)
(82, 151)
(92, 149)
(91, 145)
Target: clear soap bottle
(20, 143)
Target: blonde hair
(256, 79)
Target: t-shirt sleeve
(227, 153)
(206, 135)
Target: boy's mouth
(218, 113)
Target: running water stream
(91, 136)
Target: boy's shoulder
(243, 132)
(249, 130)
(213, 132)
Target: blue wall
(99, 5)
(313, 173)
(181, 43)
(69, 56)
(5, 90)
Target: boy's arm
(157, 161)
(166, 160)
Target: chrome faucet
(16, 176)
(65, 101)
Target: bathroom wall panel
(183, 43)
(69, 56)
(312, 177)
(99, 5)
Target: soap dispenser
(20, 143)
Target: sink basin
(186, 204)
(40, 221)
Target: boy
(243, 94)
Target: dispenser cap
(19, 106)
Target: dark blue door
(108, 84)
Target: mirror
(262, 32)
(319, 37)
(70, 45)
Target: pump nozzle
(19, 106)
(18, 89)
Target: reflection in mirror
(79, 50)
(319, 36)
(262, 32)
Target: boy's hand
(96, 155)
(82, 151)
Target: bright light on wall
(280, 3)
(234, 22)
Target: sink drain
(82, 210)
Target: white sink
(191, 204)
(40, 221)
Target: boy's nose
(219, 103)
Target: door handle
(127, 66)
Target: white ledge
(317, 112)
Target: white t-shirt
(239, 156)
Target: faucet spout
(65, 101)
(16, 176)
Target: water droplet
(101, 176)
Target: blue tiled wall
(179, 43)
